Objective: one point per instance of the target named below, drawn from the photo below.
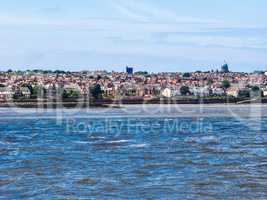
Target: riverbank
(84, 103)
(54, 105)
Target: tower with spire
(225, 68)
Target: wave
(118, 141)
(97, 137)
(138, 145)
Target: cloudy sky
(153, 35)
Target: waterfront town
(34, 84)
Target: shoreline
(108, 103)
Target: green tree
(96, 91)
(71, 93)
(226, 84)
(255, 88)
(256, 91)
(141, 73)
(210, 82)
(37, 91)
(59, 72)
(184, 90)
(244, 93)
(186, 75)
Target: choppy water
(188, 153)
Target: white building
(170, 92)
(200, 91)
(217, 91)
(6, 93)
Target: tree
(258, 72)
(256, 91)
(186, 75)
(70, 93)
(96, 91)
(184, 90)
(210, 82)
(244, 93)
(226, 84)
(141, 73)
(255, 88)
(29, 86)
(59, 72)
(37, 91)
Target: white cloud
(151, 12)
(124, 10)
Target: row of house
(123, 85)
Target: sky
(151, 35)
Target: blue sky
(153, 35)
